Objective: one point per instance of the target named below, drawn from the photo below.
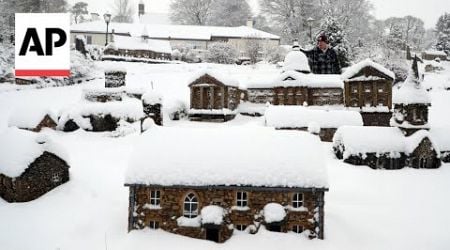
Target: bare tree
(193, 12)
(78, 10)
(230, 13)
(123, 11)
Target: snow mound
(355, 69)
(274, 212)
(30, 120)
(297, 61)
(260, 157)
(152, 97)
(212, 215)
(20, 148)
(301, 117)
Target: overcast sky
(427, 10)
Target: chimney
(141, 8)
(250, 22)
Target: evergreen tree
(443, 33)
(338, 39)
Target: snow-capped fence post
(115, 78)
(152, 104)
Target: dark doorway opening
(273, 227)
(212, 234)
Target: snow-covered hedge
(222, 53)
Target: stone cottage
(214, 97)
(297, 86)
(316, 121)
(30, 165)
(368, 88)
(205, 194)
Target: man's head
(322, 41)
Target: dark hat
(322, 38)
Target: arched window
(190, 207)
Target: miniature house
(368, 87)
(29, 166)
(206, 195)
(385, 147)
(213, 97)
(296, 86)
(411, 104)
(115, 77)
(321, 122)
(104, 109)
(33, 121)
(152, 103)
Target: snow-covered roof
(128, 108)
(301, 117)
(219, 76)
(173, 31)
(19, 148)
(435, 53)
(212, 214)
(256, 156)
(296, 79)
(152, 97)
(362, 140)
(138, 43)
(353, 70)
(297, 61)
(411, 93)
(30, 120)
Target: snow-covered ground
(365, 208)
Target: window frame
(191, 200)
(296, 202)
(155, 197)
(298, 229)
(241, 227)
(241, 199)
(153, 224)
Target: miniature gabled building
(30, 166)
(213, 97)
(386, 148)
(411, 103)
(368, 87)
(33, 121)
(205, 194)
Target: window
(56, 178)
(190, 206)
(241, 199)
(241, 227)
(154, 224)
(297, 200)
(297, 229)
(354, 89)
(88, 39)
(423, 163)
(155, 197)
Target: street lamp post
(107, 18)
(310, 22)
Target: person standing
(323, 59)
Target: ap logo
(42, 44)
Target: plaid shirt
(323, 62)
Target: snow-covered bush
(222, 53)
(400, 68)
(275, 54)
(177, 110)
(80, 65)
(176, 55)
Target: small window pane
(297, 200)
(297, 229)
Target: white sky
(427, 10)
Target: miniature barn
(206, 195)
(214, 97)
(30, 166)
(34, 121)
(433, 54)
(368, 87)
(321, 122)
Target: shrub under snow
(222, 53)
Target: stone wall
(45, 173)
(115, 78)
(310, 215)
(145, 54)
(154, 111)
(297, 96)
(381, 119)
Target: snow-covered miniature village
(179, 135)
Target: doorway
(212, 234)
